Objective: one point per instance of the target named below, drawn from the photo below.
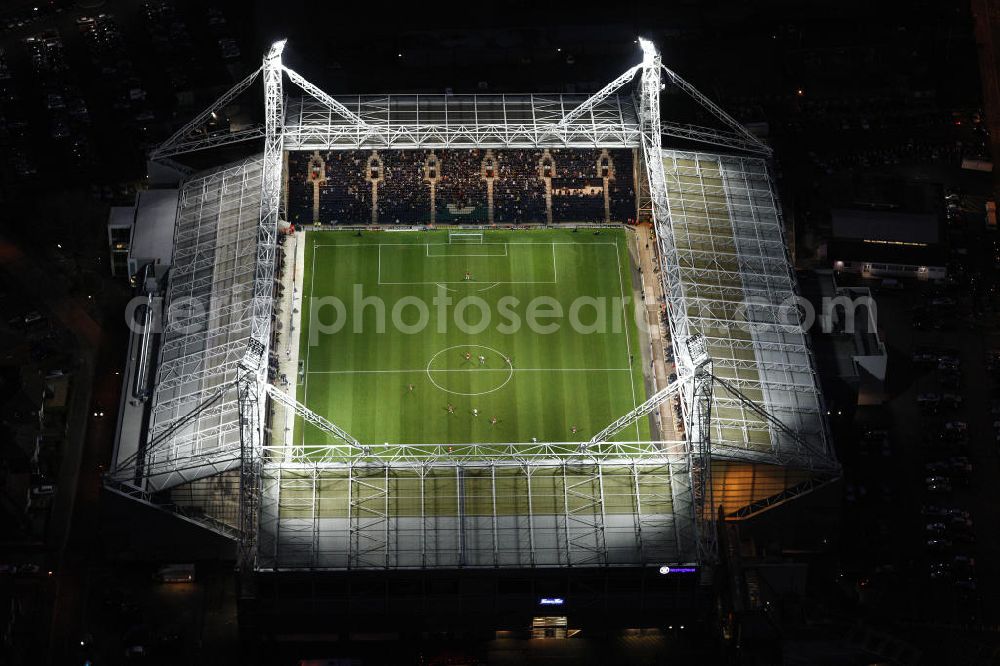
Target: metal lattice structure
(194, 415)
(748, 388)
(459, 121)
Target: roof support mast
(274, 117)
(253, 367)
(693, 356)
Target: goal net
(465, 237)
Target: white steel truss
(206, 327)
(739, 132)
(645, 408)
(462, 121)
(210, 140)
(459, 453)
(319, 121)
(193, 137)
(311, 416)
(270, 197)
(251, 457)
(332, 104)
(599, 96)
(562, 513)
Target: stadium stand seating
(460, 192)
(403, 197)
(519, 194)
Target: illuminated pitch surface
(395, 384)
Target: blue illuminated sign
(551, 601)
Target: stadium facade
(202, 428)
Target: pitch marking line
(404, 370)
(554, 280)
(453, 236)
(621, 288)
(305, 386)
(428, 254)
(505, 243)
(493, 284)
(628, 343)
(509, 370)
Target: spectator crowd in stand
(460, 191)
(518, 193)
(403, 196)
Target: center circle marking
(430, 371)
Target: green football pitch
(500, 336)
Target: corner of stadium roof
(726, 275)
(728, 278)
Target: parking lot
(921, 482)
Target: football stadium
(424, 349)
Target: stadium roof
(152, 239)
(730, 280)
(460, 121)
(206, 327)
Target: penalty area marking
(486, 288)
(490, 285)
(429, 255)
